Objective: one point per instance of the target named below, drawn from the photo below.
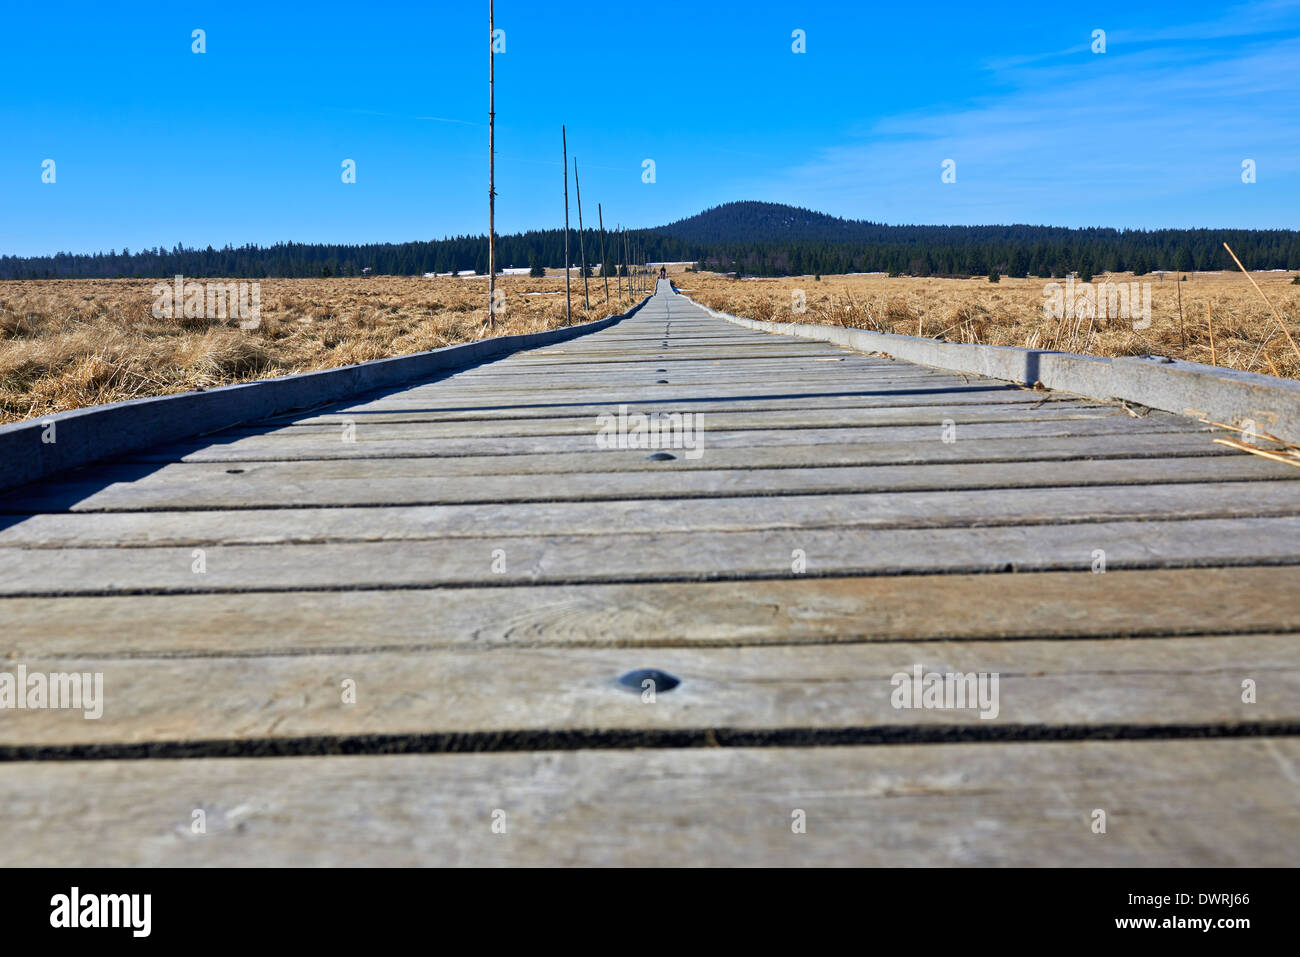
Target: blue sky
(155, 145)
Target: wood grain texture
(1075, 684)
(659, 556)
(1168, 803)
(1055, 605)
(892, 510)
(415, 481)
(815, 450)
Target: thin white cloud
(1086, 140)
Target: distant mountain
(756, 222)
(774, 239)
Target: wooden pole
(627, 264)
(618, 263)
(568, 305)
(582, 248)
(1182, 336)
(604, 263)
(1209, 318)
(492, 169)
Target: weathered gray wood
(1062, 605)
(892, 510)
(721, 361)
(1210, 803)
(660, 556)
(693, 372)
(579, 435)
(198, 485)
(605, 386)
(811, 418)
(449, 407)
(834, 418)
(821, 455)
(1173, 682)
(974, 442)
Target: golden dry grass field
(66, 344)
(1010, 313)
(70, 343)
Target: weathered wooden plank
(494, 560)
(578, 434)
(197, 485)
(819, 454)
(685, 361)
(750, 419)
(648, 376)
(1172, 682)
(891, 510)
(1167, 803)
(405, 439)
(448, 406)
(658, 377)
(681, 372)
(867, 394)
(1060, 605)
(835, 418)
(869, 390)
(647, 368)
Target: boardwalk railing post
(568, 304)
(604, 263)
(582, 248)
(492, 162)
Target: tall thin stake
(568, 305)
(492, 168)
(627, 264)
(618, 266)
(1209, 318)
(582, 247)
(1182, 336)
(604, 263)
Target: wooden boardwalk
(385, 631)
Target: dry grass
(65, 344)
(1010, 313)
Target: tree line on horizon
(820, 244)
